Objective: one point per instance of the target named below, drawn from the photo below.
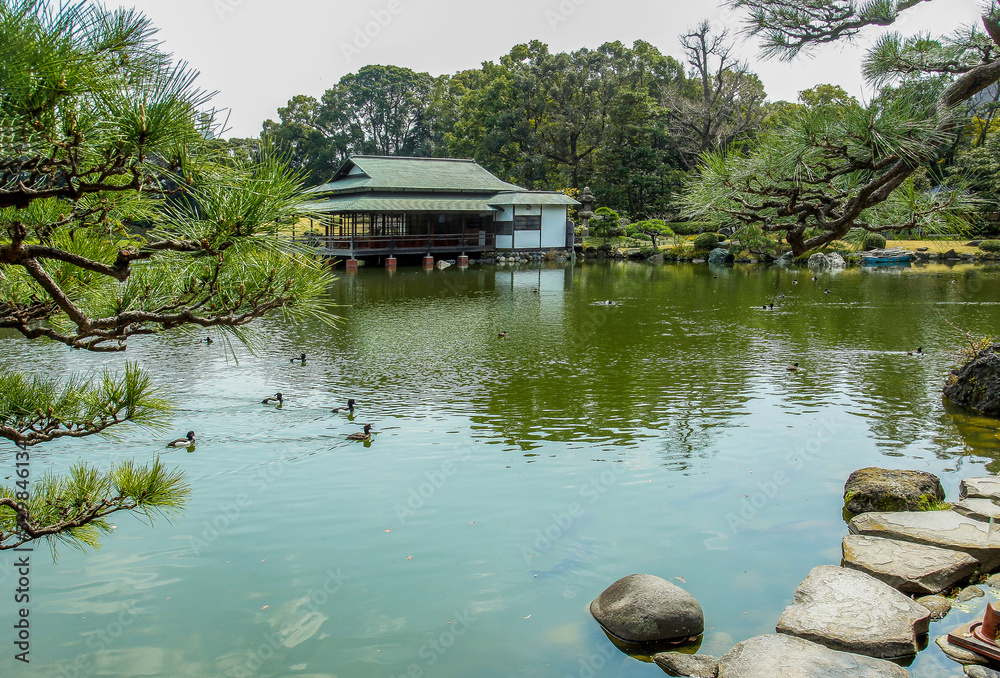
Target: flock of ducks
(188, 441)
(794, 367)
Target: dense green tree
(118, 217)
(834, 169)
(380, 110)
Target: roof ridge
(412, 157)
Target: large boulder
(836, 260)
(818, 261)
(641, 608)
(851, 611)
(946, 529)
(720, 257)
(976, 385)
(908, 567)
(781, 656)
(879, 489)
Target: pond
(510, 480)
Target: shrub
(875, 241)
(990, 246)
(706, 241)
(690, 227)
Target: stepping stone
(854, 612)
(978, 509)
(687, 665)
(781, 656)
(642, 607)
(909, 567)
(945, 529)
(986, 488)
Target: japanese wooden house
(381, 205)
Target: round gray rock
(879, 489)
(939, 606)
(641, 607)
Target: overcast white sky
(260, 53)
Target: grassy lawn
(936, 245)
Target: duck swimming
(301, 358)
(186, 441)
(792, 367)
(208, 340)
(276, 398)
(367, 435)
(919, 351)
(502, 335)
(345, 410)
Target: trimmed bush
(875, 241)
(690, 227)
(706, 241)
(990, 246)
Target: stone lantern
(586, 211)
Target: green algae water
(509, 480)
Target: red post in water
(428, 261)
(351, 265)
(390, 263)
(463, 261)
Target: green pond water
(510, 480)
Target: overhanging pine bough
(116, 220)
(837, 170)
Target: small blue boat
(895, 255)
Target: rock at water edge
(945, 529)
(980, 488)
(879, 489)
(687, 665)
(909, 567)
(851, 611)
(976, 385)
(781, 656)
(641, 608)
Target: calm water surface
(511, 480)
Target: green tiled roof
(428, 174)
(413, 202)
(532, 198)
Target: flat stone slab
(959, 654)
(781, 656)
(986, 488)
(981, 509)
(851, 611)
(909, 567)
(945, 529)
(687, 665)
